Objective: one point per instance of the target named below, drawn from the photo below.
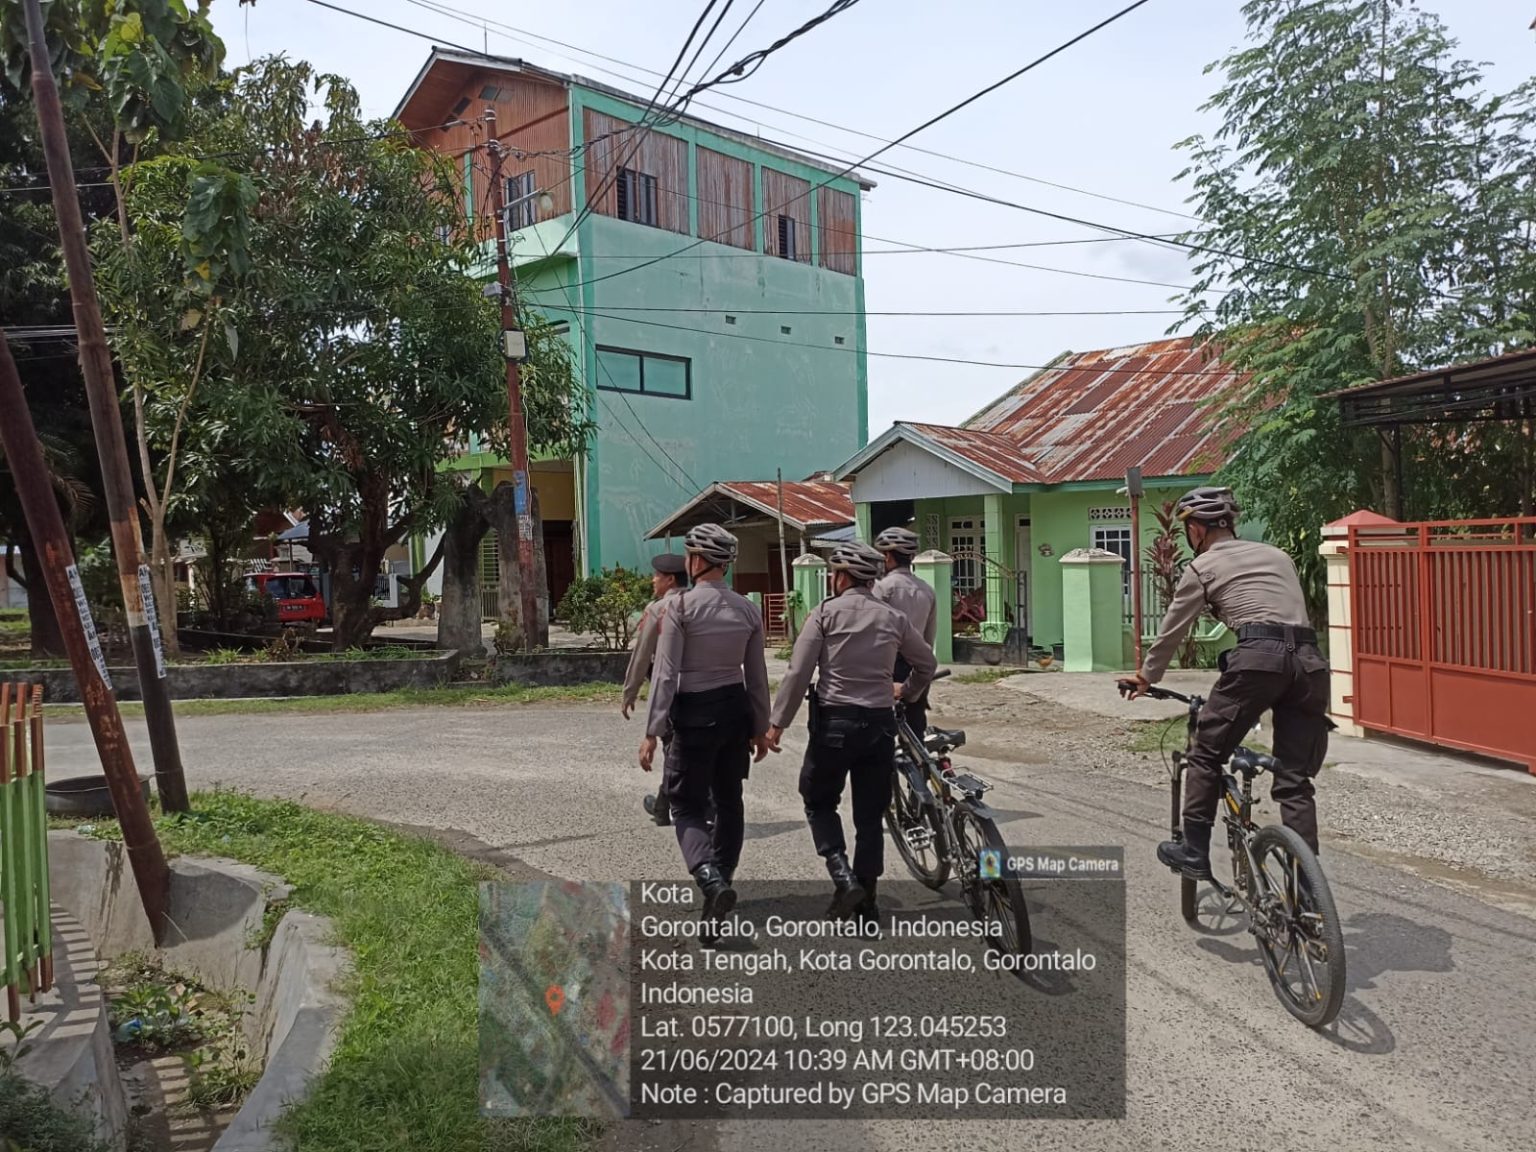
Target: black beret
(669, 564)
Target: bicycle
(940, 825)
(1276, 881)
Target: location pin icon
(554, 996)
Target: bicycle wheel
(1001, 900)
(918, 834)
(1297, 927)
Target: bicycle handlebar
(1128, 686)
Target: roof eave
(877, 448)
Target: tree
(1365, 212)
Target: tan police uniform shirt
(640, 659)
(905, 591)
(851, 642)
(1238, 582)
(711, 637)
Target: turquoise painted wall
(762, 399)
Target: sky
(1102, 118)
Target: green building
(1040, 473)
(709, 282)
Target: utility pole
(514, 346)
(45, 525)
(1133, 488)
(789, 593)
(107, 422)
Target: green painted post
(8, 890)
(23, 850)
(935, 569)
(995, 627)
(40, 823)
(810, 581)
(1091, 611)
(861, 514)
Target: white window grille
(967, 543)
(1112, 512)
(1118, 541)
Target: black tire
(906, 811)
(1001, 900)
(1304, 953)
(1189, 900)
(84, 796)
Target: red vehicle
(298, 600)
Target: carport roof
(1500, 388)
(809, 505)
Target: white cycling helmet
(899, 541)
(859, 560)
(713, 543)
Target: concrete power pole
(107, 422)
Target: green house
(1041, 472)
(709, 282)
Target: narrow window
(787, 237)
(636, 197)
(522, 210)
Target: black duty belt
(713, 695)
(1290, 633)
(852, 712)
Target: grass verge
(984, 675)
(405, 1073)
(450, 696)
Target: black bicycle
(940, 825)
(1276, 880)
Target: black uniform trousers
(917, 710)
(1262, 674)
(709, 758)
(856, 745)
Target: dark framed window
(637, 197)
(521, 209)
(649, 374)
(787, 237)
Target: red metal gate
(1443, 619)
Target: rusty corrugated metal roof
(995, 453)
(807, 503)
(1095, 414)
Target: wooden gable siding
(726, 206)
(531, 116)
(785, 195)
(614, 144)
(839, 232)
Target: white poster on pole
(83, 610)
(152, 618)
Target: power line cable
(930, 122)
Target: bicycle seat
(1250, 763)
(942, 740)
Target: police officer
(1253, 589)
(669, 576)
(709, 688)
(852, 640)
(901, 588)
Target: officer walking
(709, 688)
(1253, 589)
(903, 590)
(852, 640)
(669, 576)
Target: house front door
(1021, 550)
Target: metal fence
(1443, 624)
(28, 933)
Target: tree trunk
(502, 514)
(47, 636)
(540, 573)
(1392, 496)
(458, 613)
(164, 570)
(351, 599)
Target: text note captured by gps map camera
(599, 1002)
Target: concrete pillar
(808, 576)
(935, 569)
(995, 627)
(1341, 647)
(1091, 611)
(861, 515)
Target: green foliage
(1365, 208)
(31, 1122)
(155, 1014)
(405, 1069)
(1166, 558)
(606, 604)
(986, 675)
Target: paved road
(1434, 1050)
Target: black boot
(868, 912)
(658, 809)
(1192, 857)
(719, 896)
(847, 893)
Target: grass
(1148, 736)
(984, 675)
(450, 696)
(405, 1073)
